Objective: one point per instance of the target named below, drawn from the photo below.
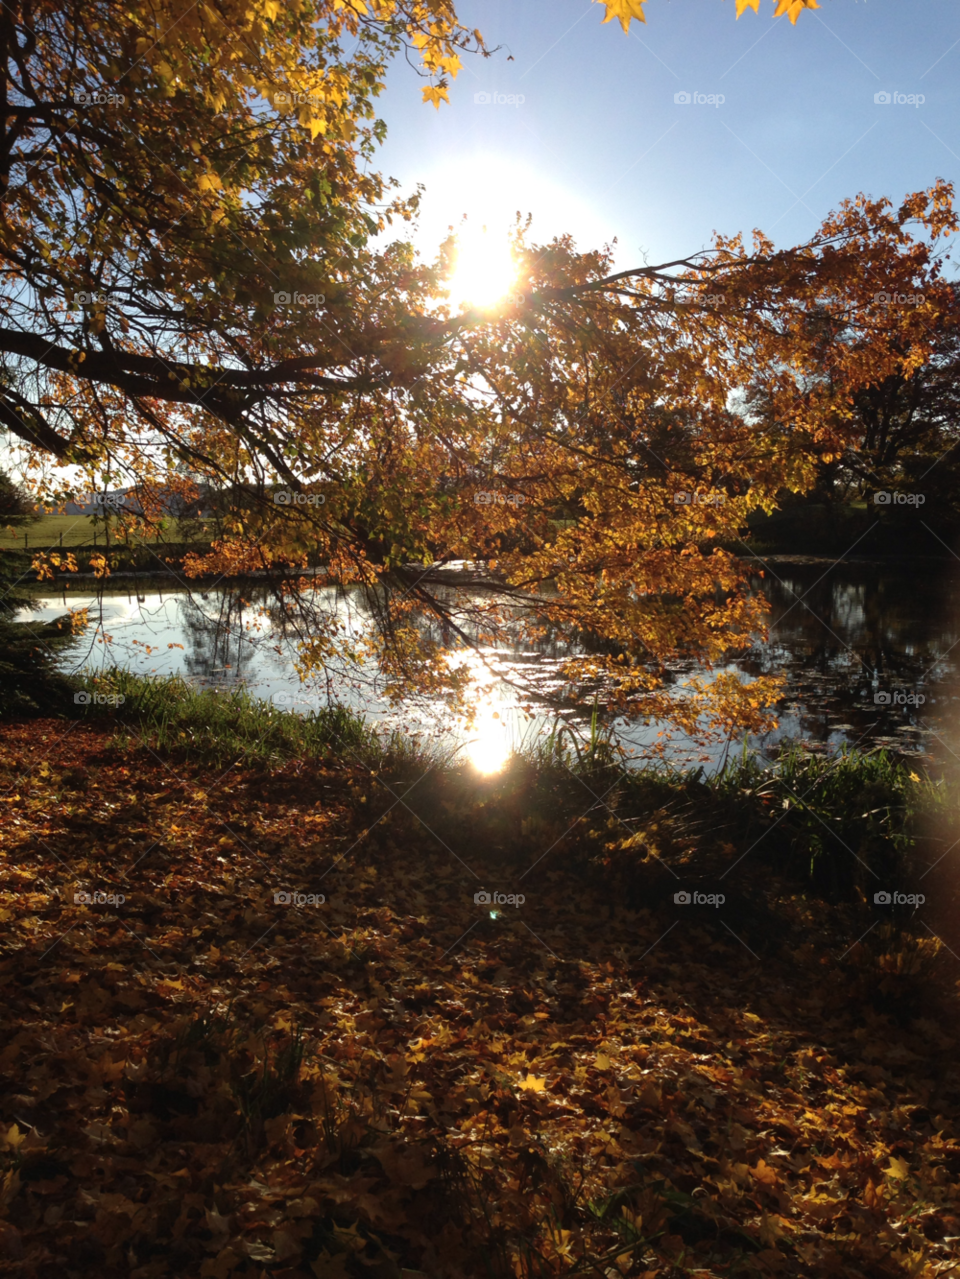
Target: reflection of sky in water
(855, 631)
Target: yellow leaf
(770, 1230)
(794, 8)
(603, 1061)
(898, 1169)
(13, 1137)
(208, 182)
(532, 1084)
(435, 93)
(791, 7)
(624, 11)
(327, 1267)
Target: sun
(485, 270)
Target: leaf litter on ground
(203, 1081)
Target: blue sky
(600, 148)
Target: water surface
(848, 637)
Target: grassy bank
(224, 1075)
(840, 822)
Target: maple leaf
(436, 93)
(13, 1137)
(624, 11)
(794, 8)
(770, 1230)
(533, 1084)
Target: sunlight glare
(487, 746)
(485, 270)
(489, 751)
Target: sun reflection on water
(487, 738)
(488, 747)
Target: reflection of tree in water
(303, 616)
(219, 648)
(857, 620)
(860, 628)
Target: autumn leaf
(435, 93)
(770, 1229)
(12, 1137)
(624, 11)
(792, 7)
(187, 1083)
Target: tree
(29, 681)
(906, 428)
(15, 505)
(232, 320)
(897, 425)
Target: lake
(870, 650)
